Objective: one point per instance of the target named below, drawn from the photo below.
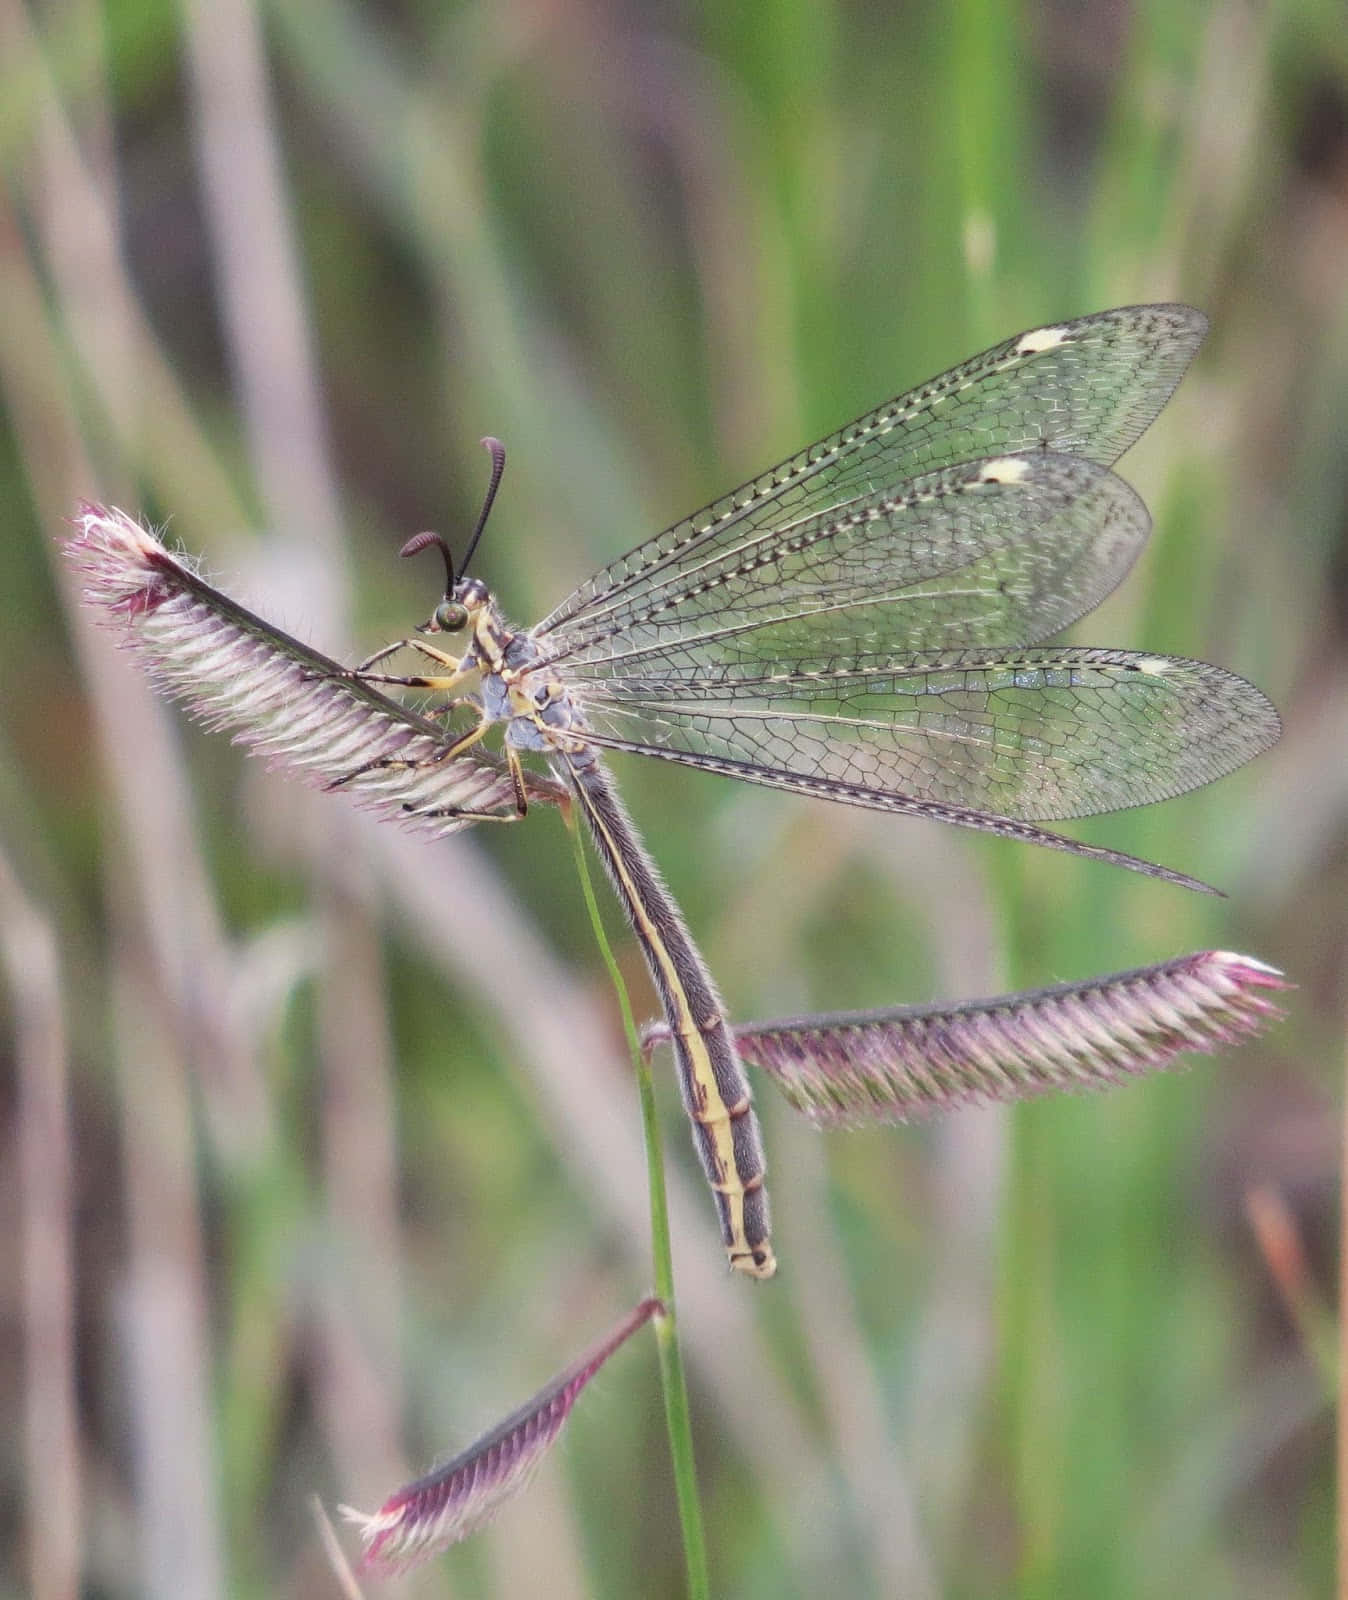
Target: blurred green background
(320, 1149)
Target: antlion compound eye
(451, 617)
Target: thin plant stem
(678, 1422)
(1342, 1442)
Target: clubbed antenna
(421, 541)
(497, 452)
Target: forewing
(998, 552)
(1035, 735)
(1084, 388)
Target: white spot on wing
(1041, 339)
(1005, 469)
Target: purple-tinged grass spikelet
(456, 1499)
(294, 706)
(909, 1062)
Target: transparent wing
(1086, 388)
(1028, 736)
(1002, 552)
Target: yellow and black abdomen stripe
(715, 1089)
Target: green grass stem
(678, 1421)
